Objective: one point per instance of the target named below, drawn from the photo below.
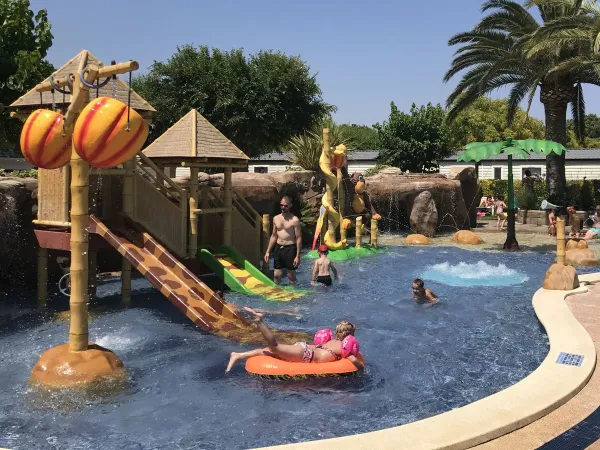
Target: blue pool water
(421, 361)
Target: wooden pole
(93, 265)
(128, 187)
(204, 218)
(359, 229)
(227, 203)
(128, 211)
(374, 233)
(42, 278)
(193, 235)
(107, 205)
(560, 241)
(78, 331)
(266, 235)
(125, 282)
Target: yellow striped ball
(101, 138)
(42, 141)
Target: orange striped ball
(101, 138)
(42, 140)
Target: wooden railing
(246, 223)
(159, 204)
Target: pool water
(421, 361)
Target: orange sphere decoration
(101, 138)
(42, 140)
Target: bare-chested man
(286, 242)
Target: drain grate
(570, 359)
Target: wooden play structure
(136, 208)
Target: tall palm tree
(506, 49)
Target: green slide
(241, 276)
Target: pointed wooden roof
(32, 98)
(194, 139)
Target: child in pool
(421, 294)
(343, 346)
(320, 273)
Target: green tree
(485, 121)
(259, 101)
(592, 132)
(509, 47)
(25, 38)
(363, 137)
(415, 141)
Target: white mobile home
(579, 164)
(358, 161)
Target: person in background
(321, 267)
(499, 207)
(552, 223)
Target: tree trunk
(555, 98)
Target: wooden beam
(222, 209)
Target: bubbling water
(477, 274)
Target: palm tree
(508, 48)
(305, 149)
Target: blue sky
(365, 54)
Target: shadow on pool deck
(576, 424)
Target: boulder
(417, 239)
(576, 243)
(471, 190)
(424, 215)
(394, 195)
(258, 189)
(466, 237)
(390, 171)
(561, 278)
(581, 257)
(18, 252)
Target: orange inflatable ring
(42, 141)
(101, 138)
(270, 367)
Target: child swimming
(421, 294)
(343, 346)
(320, 273)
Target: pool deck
(552, 385)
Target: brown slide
(184, 290)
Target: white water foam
(478, 274)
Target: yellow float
(44, 141)
(108, 133)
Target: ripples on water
(420, 360)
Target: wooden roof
(195, 138)
(32, 98)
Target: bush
(31, 173)
(582, 194)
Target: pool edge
(545, 389)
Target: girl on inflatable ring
(326, 349)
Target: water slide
(241, 276)
(181, 287)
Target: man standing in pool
(421, 294)
(286, 242)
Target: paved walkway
(551, 429)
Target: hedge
(582, 194)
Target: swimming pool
(421, 360)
